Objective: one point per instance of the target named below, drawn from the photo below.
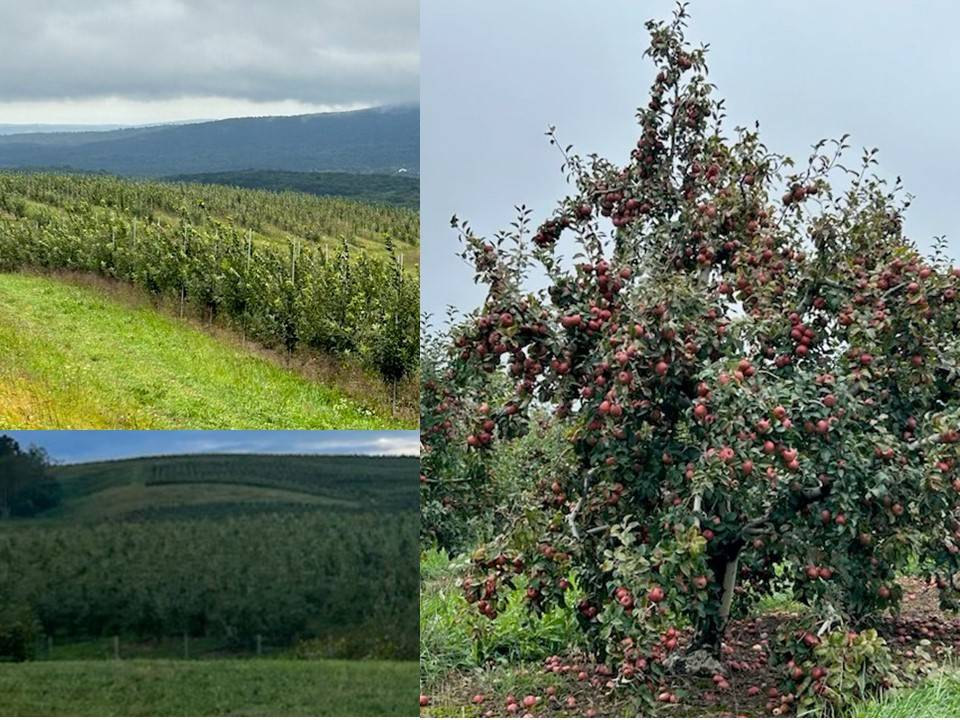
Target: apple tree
(754, 366)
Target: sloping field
(72, 358)
(122, 488)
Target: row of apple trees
(288, 295)
(348, 581)
(316, 219)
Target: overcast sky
(82, 445)
(496, 74)
(142, 61)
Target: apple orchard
(752, 368)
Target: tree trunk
(703, 658)
(710, 630)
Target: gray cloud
(330, 52)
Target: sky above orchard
(496, 74)
(70, 446)
(149, 61)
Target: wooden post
(49, 646)
(186, 645)
(259, 644)
(183, 284)
(116, 647)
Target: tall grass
(938, 696)
(453, 636)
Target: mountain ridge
(373, 140)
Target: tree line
(26, 485)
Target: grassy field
(71, 358)
(220, 687)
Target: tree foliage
(26, 485)
(400, 190)
(283, 575)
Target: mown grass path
(71, 358)
(214, 687)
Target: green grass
(446, 642)
(218, 687)
(454, 637)
(938, 696)
(778, 602)
(71, 358)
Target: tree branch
(443, 481)
(572, 515)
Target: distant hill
(191, 486)
(375, 140)
(23, 129)
(402, 190)
(27, 128)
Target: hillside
(397, 189)
(74, 357)
(315, 555)
(197, 485)
(332, 281)
(372, 140)
(34, 128)
(269, 218)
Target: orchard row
(291, 296)
(290, 576)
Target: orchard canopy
(753, 366)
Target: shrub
(830, 673)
